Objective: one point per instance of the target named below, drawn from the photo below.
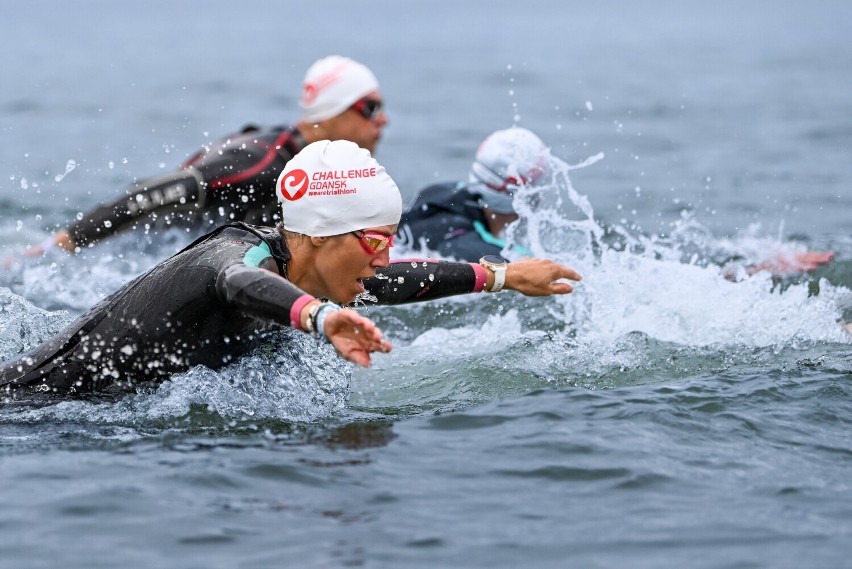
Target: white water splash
(24, 326)
(296, 378)
(70, 166)
(669, 288)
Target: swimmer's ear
(318, 241)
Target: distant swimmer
(234, 178)
(465, 220)
(214, 301)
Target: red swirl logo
(309, 93)
(293, 185)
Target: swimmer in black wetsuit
(213, 301)
(464, 220)
(234, 179)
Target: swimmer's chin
(359, 290)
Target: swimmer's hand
(35, 251)
(353, 336)
(539, 277)
(791, 264)
(62, 240)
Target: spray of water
(672, 288)
(648, 306)
(294, 378)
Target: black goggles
(370, 109)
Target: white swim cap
(505, 161)
(332, 84)
(332, 188)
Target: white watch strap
(499, 279)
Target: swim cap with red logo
(332, 188)
(332, 84)
(505, 161)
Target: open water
(661, 416)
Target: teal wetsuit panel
(257, 254)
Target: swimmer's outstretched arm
(419, 280)
(784, 265)
(161, 197)
(795, 263)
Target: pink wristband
(481, 277)
(296, 311)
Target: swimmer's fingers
(810, 260)
(13, 258)
(540, 277)
(354, 336)
(61, 240)
(790, 264)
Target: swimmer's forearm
(419, 280)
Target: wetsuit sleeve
(240, 176)
(166, 196)
(234, 180)
(420, 280)
(263, 294)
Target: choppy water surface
(663, 415)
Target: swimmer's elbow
(232, 282)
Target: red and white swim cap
(332, 84)
(332, 188)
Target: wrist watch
(497, 265)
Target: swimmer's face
(352, 124)
(346, 260)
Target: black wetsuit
(447, 218)
(232, 180)
(208, 304)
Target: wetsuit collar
(491, 239)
